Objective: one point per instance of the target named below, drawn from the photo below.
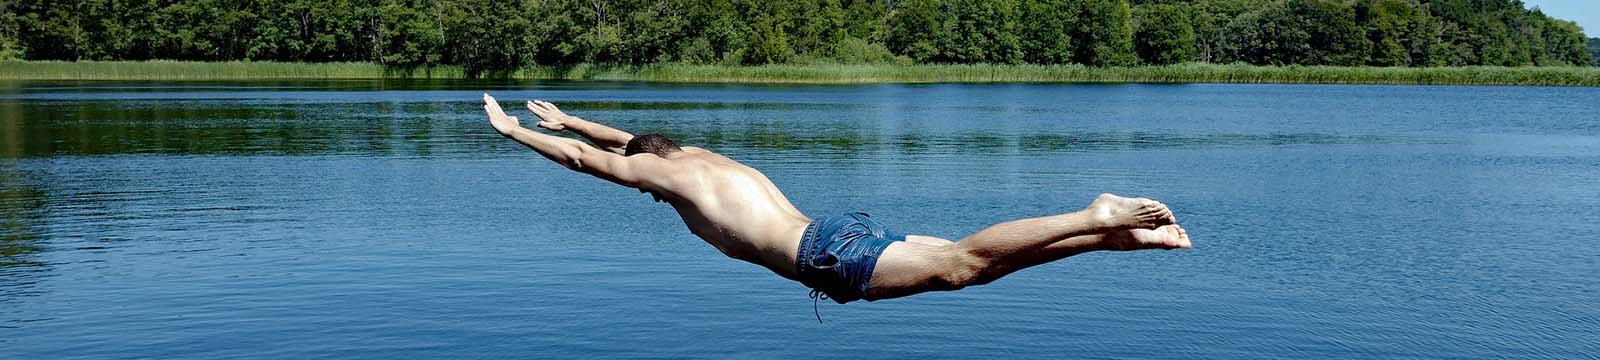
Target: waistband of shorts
(808, 240)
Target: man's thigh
(928, 240)
(909, 267)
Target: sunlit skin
(739, 211)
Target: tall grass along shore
(816, 74)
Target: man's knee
(963, 268)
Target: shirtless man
(845, 257)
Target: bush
(857, 51)
(10, 51)
(698, 52)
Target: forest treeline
(495, 35)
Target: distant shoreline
(814, 74)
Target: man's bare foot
(1119, 213)
(1165, 237)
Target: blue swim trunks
(838, 252)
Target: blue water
(387, 220)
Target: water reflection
(14, 87)
(24, 220)
(231, 127)
(22, 216)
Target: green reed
(1186, 73)
(198, 70)
(814, 73)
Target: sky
(1585, 12)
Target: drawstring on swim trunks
(816, 296)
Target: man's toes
(1148, 209)
(1154, 205)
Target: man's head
(651, 143)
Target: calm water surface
(384, 220)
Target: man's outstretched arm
(613, 140)
(571, 153)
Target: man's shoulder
(701, 161)
(702, 155)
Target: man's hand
(550, 117)
(497, 117)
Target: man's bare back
(739, 211)
(733, 207)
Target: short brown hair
(651, 143)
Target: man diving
(845, 257)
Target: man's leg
(927, 264)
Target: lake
(370, 219)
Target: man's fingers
(491, 105)
(549, 106)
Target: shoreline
(161, 70)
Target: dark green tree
(819, 28)
(1335, 39)
(1210, 20)
(1104, 33)
(10, 48)
(1164, 35)
(410, 33)
(1594, 51)
(51, 30)
(979, 31)
(769, 32)
(1565, 44)
(483, 36)
(489, 37)
(1044, 31)
(1388, 24)
(915, 28)
(1266, 36)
